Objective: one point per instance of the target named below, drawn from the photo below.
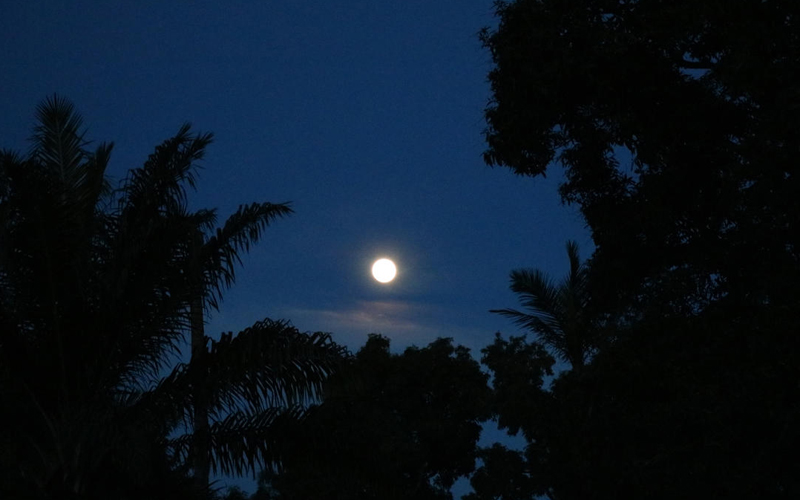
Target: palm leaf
(93, 185)
(148, 287)
(539, 295)
(244, 442)
(58, 142)
(159, 184)
(269, 364)
(220, 254)
(556, 313)
(533, 322)
(577, 279)
(250, 380)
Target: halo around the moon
(384, 270)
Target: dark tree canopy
(702, 94)
(392, 426)
(677, 125)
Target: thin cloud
(404, 322)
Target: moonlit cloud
(405, 322)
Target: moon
(384, 270)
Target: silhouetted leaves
(693, 281)
(391, 426)
(95, 294)
(557, 313)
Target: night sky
(366, 115)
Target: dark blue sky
(367, 115)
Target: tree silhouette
(697, 237)
(557, 312)
(97, 287)
(521, 404)
(705, 107)
(391, 426)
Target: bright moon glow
(384, 270)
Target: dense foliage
(677, 126)
(392, 426)
(99, 288)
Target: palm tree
(557, 313)
(99, 289)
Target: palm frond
(141, 319)
(574, 257)
(271, 363)
(556, 313)
(204, 219)
(167, 404)
(93, 184)
(144, 350)
(538, 294)
(577, 278)
(244, 442)
(550, 335)
(148, 286)
(575, 299)
(159, 184)
(74, 176)
(58, 141)
(220, 254)
(52, 197)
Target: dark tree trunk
(201, 452)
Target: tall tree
(701, 95)
(677, 125)
(558, 315)
(96, 288)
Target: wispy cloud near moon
(405, 322)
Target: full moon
(384, 270)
